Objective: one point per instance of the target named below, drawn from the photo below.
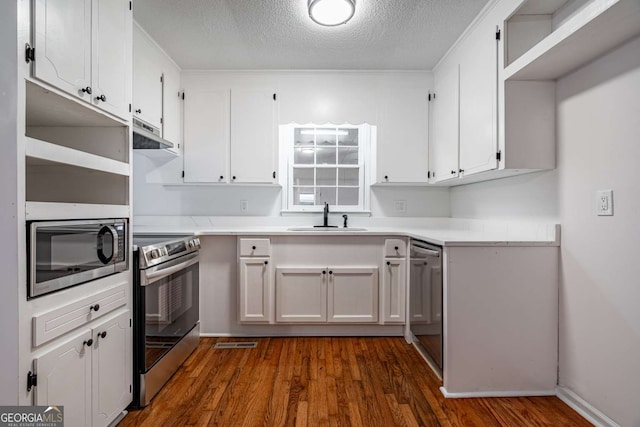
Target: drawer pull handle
(95, 307)
(88, 342)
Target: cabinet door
(394, 291)
(172, 106)
(63, 44)
(353, 295)
(255, 290)
(64, 378)
(444, 141)
(402, 143)
(111, 70)
(147, 80)
(206, 136)
(301, 295)
(478, 99)
(253, 136)
(111, 369)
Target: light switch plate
(604, 202)
(244, 206)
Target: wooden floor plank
(328, 382)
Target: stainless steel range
(166, 326)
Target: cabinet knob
(88, 342)
(453, 172)
(461, 171)
(138, 111)
(102, 98)
(266, 262)
(397, 248)
(87, 90)
(102, 334)
(330, 272)
(94, 307)
(253, 247)
(233, 177)
(221, 177)
(324, 271)
(388, 262)
(386, 177)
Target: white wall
(598, 148)
(9, 209)
(303, 97)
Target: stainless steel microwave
(67, 253)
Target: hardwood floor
(328, 382)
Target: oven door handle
(159, 272)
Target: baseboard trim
(584, 408)
(297, 334)
(519, 393)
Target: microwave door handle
(115, 251)
(154, 276)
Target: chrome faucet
(326, 215)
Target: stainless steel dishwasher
(425, 292)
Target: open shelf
(590, 31)
(45, 151)
(48, 210)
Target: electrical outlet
(604, 202)
(400, 206)
(244, 206)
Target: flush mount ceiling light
(331, 12)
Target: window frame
(287, 150)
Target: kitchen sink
(326, 229)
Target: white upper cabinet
(112, 55)
(229, 135)
(147, 80)
(253, 136)
(83, 48)
(402, 143)
(172, 106)
(444, 141)
(478, 100)
(63, 45)
(206, 136)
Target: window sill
(320, 211)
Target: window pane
(348, 196)
(349, 176)
(326, 137)
(347, 156)
(326, 176)
(303, 136)
(326, 194)
(302, 176)
(326, 156)
(304, 196)
(351, 138)
(303, 156)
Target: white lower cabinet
(353, 295)
(89, 374)
(255, 289)
(327, 294)
(301, 294)
(394, 294)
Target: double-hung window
(326, 164)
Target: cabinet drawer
(395, 248)
(52, 324)
(254, 247)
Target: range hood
(147, 137)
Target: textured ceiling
(278, 34)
